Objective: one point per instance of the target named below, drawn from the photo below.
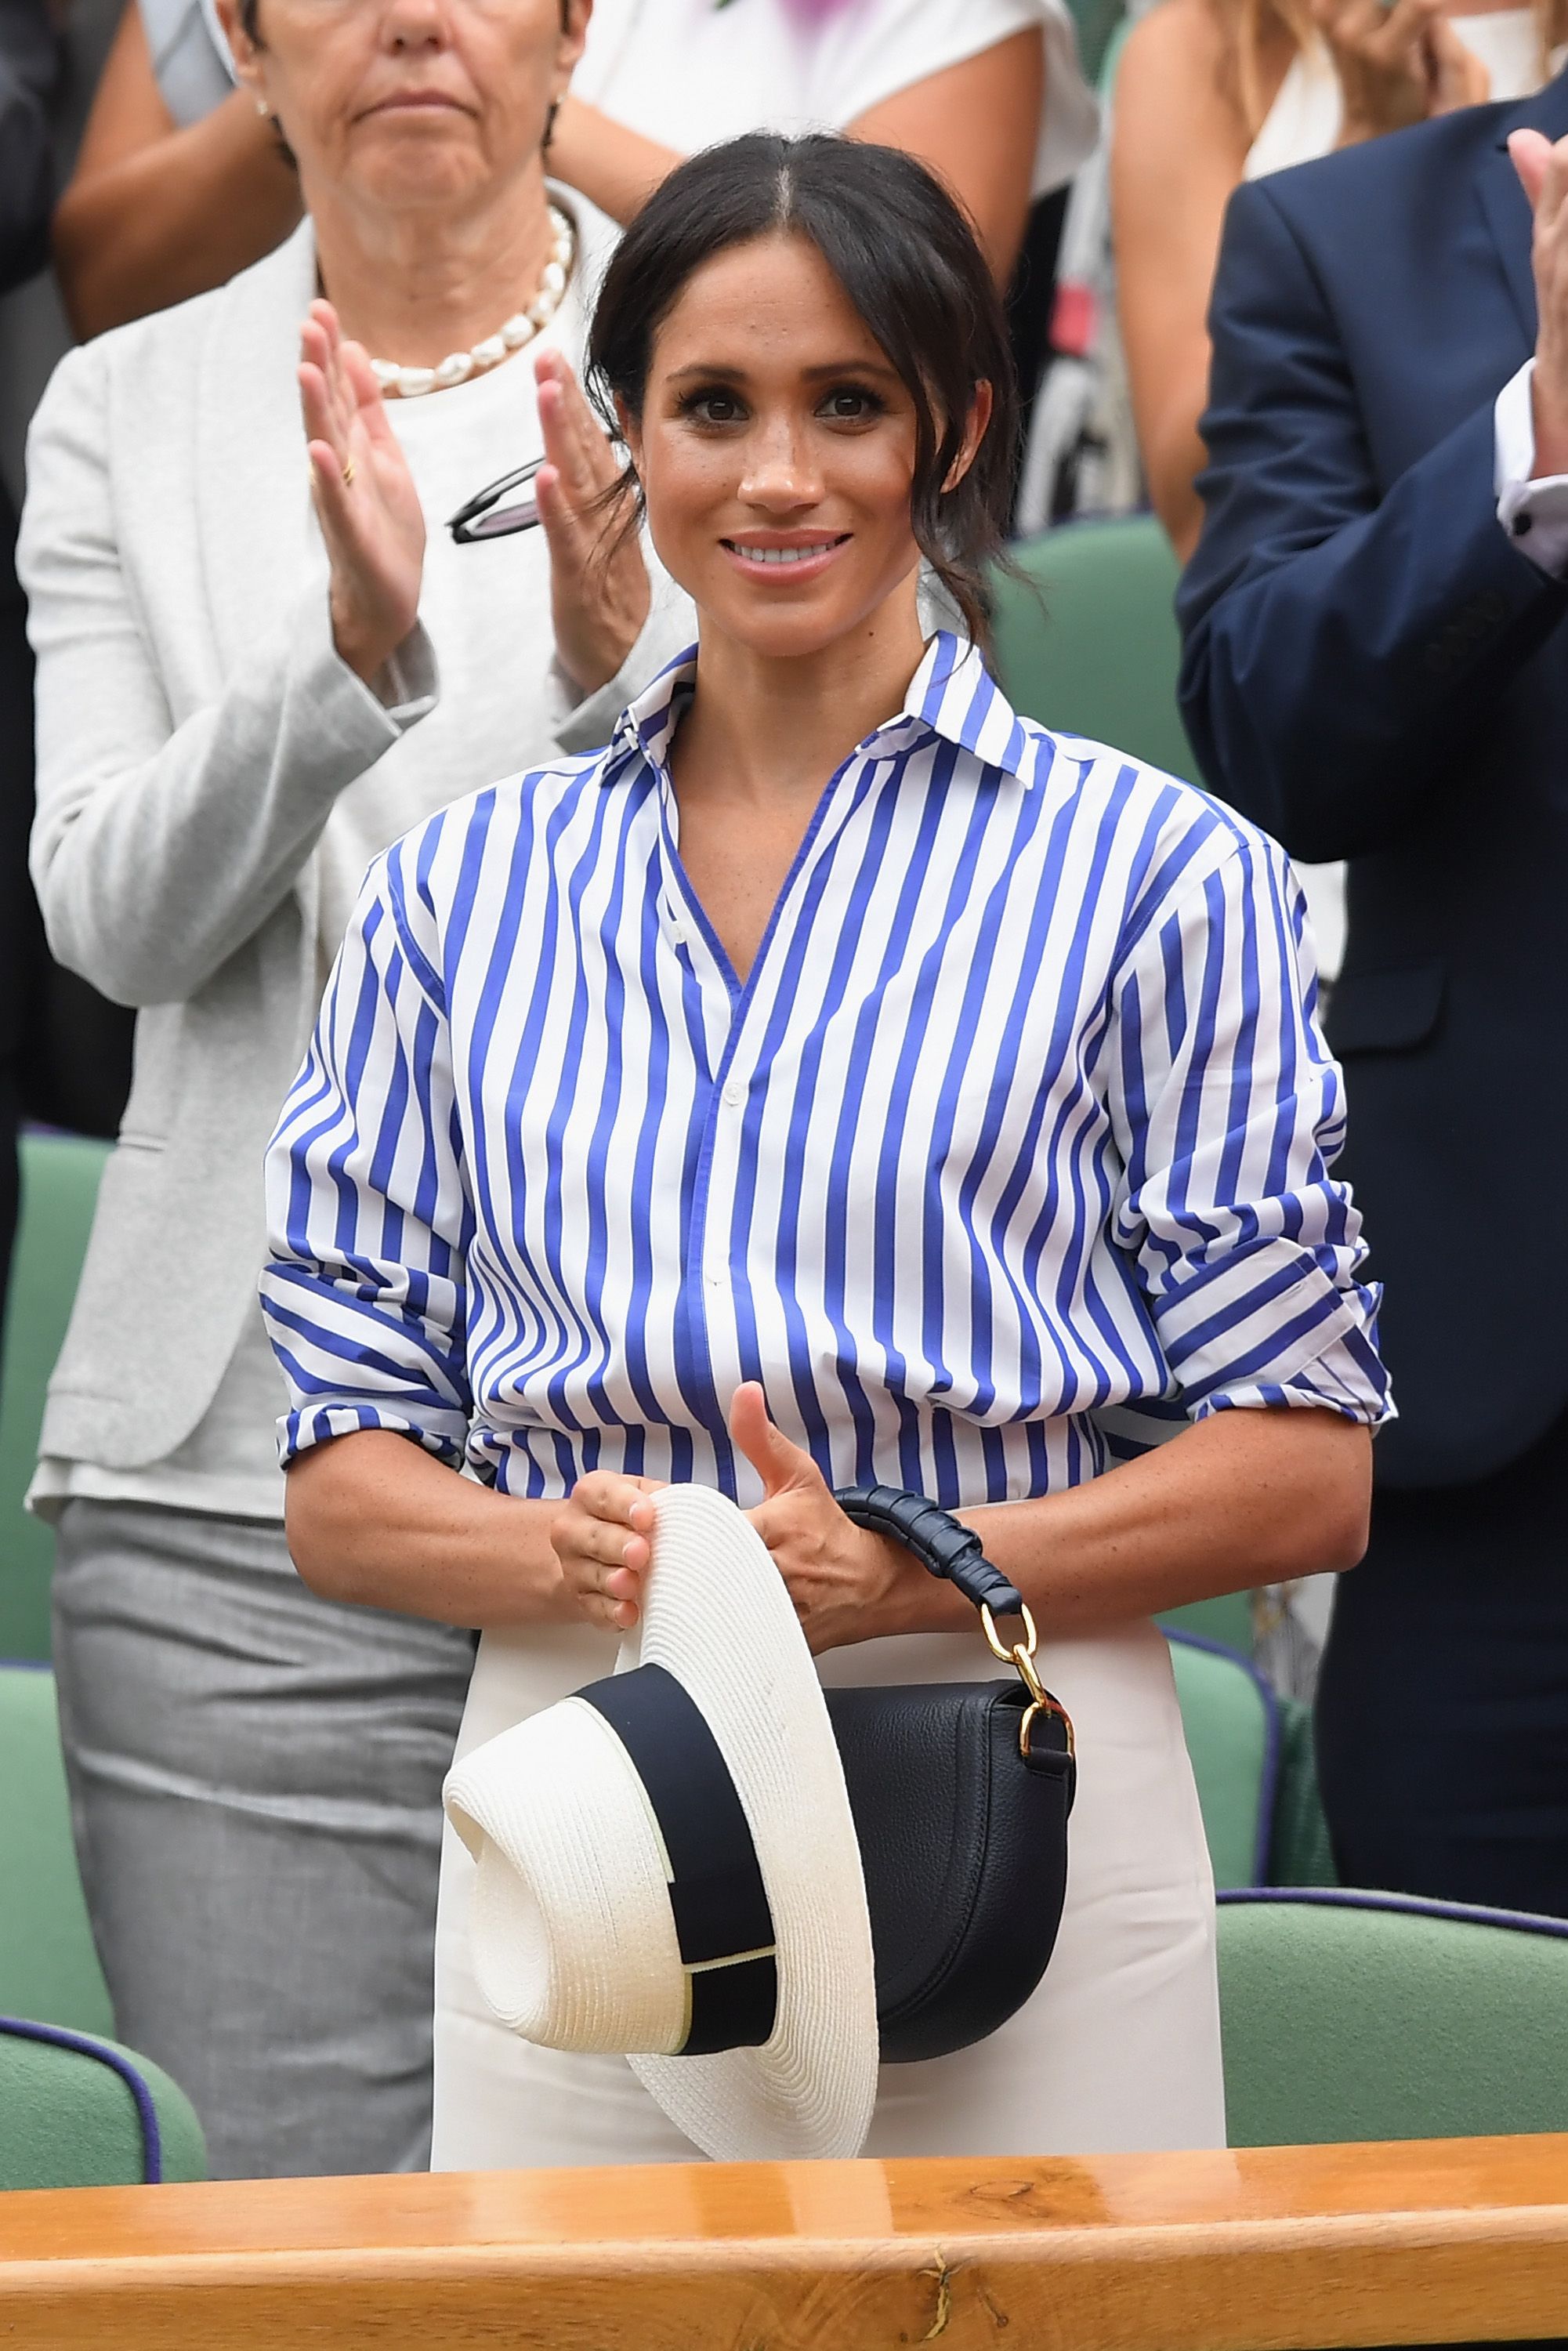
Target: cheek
(684, 483)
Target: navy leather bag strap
(937, 1538)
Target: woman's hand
(599, 600)
(1397, 64)
(600, 1538)
(847, 1584)
(365, 500)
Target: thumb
(776, 1462)
(1531, 152)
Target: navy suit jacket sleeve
(1345, 641)
(28, 61)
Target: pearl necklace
(412, 382)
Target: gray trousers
(255, 1788)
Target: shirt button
(716, 1281)
(1521, 524)
(734, 1092)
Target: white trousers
(1118, 2049)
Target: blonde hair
(1251, 27)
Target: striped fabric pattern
(1020, 1123)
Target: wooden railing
(1276, 2248)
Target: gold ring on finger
(347, 473)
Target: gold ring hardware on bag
(1020, 1656)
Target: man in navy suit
(1376, 668)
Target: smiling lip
(776, 556)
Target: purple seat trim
(1269, 1782)
(55, 2036)
(1415, 1905)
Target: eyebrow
(717, 373)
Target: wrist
(361, 647)
(1548, 421)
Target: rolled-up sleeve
(1229, 1112)
(368, 1219)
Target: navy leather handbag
(961, 1792)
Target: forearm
(151, 876)
(1240, 1499)
(614, 167)
(173, 219)
(375, 1520)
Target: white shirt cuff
(1534, 513)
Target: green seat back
(1300, 1853)
(1231, 1725)
(1376, 2016)
(59, 1186)
(48, 1968)
(75, 2112)
(1100, 658)
(1228, 1620)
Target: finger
(574, 441)
(331, 493)
(563, 446)
(560, 523)
(360, 381)
(1530, 153)
(316, 408)
(776, 1462)
(601, 1546)
(608, 1495)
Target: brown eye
(850, 403)
(715, 407)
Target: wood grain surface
(1273, 2249)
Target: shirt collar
(952, 694)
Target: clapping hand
(364, 496)
(1543, 173)
(1397, 64)
(599, 594)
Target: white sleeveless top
(1304, 120)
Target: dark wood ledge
(1275, 2249)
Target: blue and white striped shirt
(1023, 1116)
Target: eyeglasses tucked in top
(475, 521)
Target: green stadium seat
(1228, 1620)
(1351, 2016)
(1231, 1721)
(80, 2112)
(1086, 641)
(59, 1186)
(49, 1968)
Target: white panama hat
(668, 1864)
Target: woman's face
(411, 104)
(776, 451)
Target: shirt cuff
(1534, 514)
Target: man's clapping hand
(1543, 169)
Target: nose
(782, 471)
(413, 25)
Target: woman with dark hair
(837, 1078)
(236, 712)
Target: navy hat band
(724, 1925)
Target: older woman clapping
(237, 708)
